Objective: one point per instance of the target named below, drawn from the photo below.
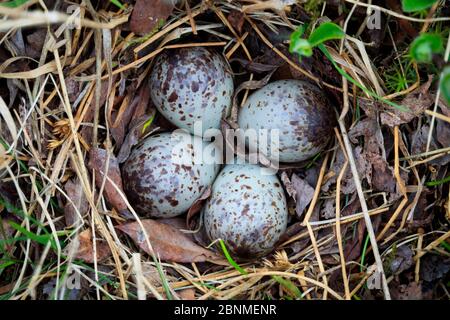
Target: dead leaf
(187, 294)
(5, 159)
(13, 88)
(253, 66)
(151, 273)
(246, 85)
(365, 127)
(118, 129)
(383, 175)
(236, 19)
(73, 88)
(329, 209)
(6, 232)
(97, 162)
(411, 291)
(147, 14)
(434, 267)
(75, 192)
(304, 194)
(402, 260)
(134, 110)
(35, 42)
(133, 136)
(288, 185)
(86, 131)
(417, 102)
(352, 249)
(197, 206)
(347, 184)
(85, 250)
(168, 242)
(443, 129)
(419, 140)
(406, 28)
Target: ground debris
(168, 242)
(98, 161)
(147, 14)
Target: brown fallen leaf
(197, 206)
(417, 102)
(147, 14)
(132, 138)
(434, 268)
(304, 193)
(75, 192)
(6, 232)
(443, 129)
(352, 248)
(187, 294)
(85, 250)
(287, 183)
(118, 129)
(86, 131)
(4, 157)
(35, 42)
(121, 122)
(236, 19)
(329, 209)
(383, 175)
(347, 184)
(97, 162)
(411, 291)
(168, 242)
(253, 66)
(419, 140)
(402, 260)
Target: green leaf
(289, 286)
(7, 264)
(14, 3)
(425, 45)
(230, 259)
(298, 44)
(118, 4)
(417, 5)
(42, 239)
(446, 245)
(437, 182)
(326, 31)
(445, 84)
(148, 122)
(302, 47)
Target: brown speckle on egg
(244, 213)
(299, 110)
(192, 83)
(158, 180)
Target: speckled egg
(191, 85)
(163, 175)
(247, 209)
(299, 110)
